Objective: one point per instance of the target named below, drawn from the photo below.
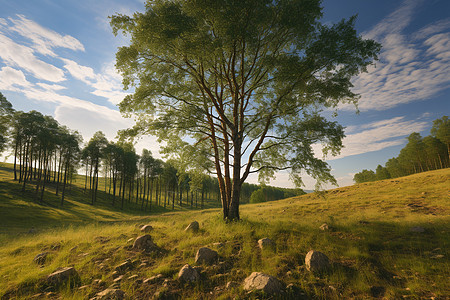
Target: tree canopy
(244, 82)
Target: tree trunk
(15, 159)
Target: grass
(20, 212)
(373, 251)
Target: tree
(364, 176)
(93, 153)
(382, 173)
(245, 81)
(6, 112)
(441, 130)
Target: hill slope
(386, 239)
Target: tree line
(419, 155)
(47, 153)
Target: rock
(110, 294)
(194, 227)
(146, 228)
(144, 243)
(265, 243)
(123, 267)
(324, 227)
(418, 229)
(40, 258)
(263, 282)
(206, 256)
(188, 274)
(61, 275)
(316, 261)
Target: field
(387, 239)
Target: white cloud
(44, 40)
(436, 27)
(376, 136)
(10, 77)
(394, 22)
(411, 68)
(88, 121)
(23, 57)
(106, 85)
(79, 72)
(51, 87)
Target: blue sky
(58, 57)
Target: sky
(58, 57)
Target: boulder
(146, 228)
(188, 274)
(40, 258)
(144, 243)
(110, 294)
(61, 275)
(206, 256)
(324, 227)
(316, 261)
(258, 281)
(194, 227)
(265, 243)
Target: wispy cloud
(43, 39)
(376, 136)
(107, 84)
(412, 67)
(16, 55)
(11, 79)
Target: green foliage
(419, 155)
(269, 193)
(364, 176)
(382, 173)
(6, 112)
(243, 81)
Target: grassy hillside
(372, 242)
(20, 212)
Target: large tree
(244, 81)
